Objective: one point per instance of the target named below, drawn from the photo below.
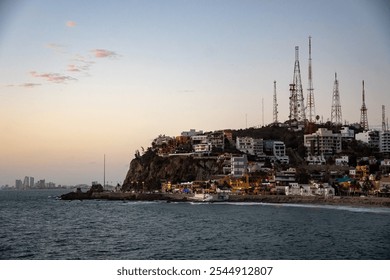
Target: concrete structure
(384, 141)
(370, 137)
(191, 132)
(276, 151)
(323, 142)
(239, 165)
(315, 160)
(343, 160)
(347, 133)
(250, 145)
(18, 184)
(284, 178)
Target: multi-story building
(191, 132)
(239, 165)
(370, 137)
(285, 177)
(347, 133)
(26, 182)
(217, 139)
(250, 145)
(384, 141)
(18, 184)
(276, 151)
(323, 142)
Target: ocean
(35, 224)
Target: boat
(207, 197)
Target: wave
(358, 209)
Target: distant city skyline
(82, 79)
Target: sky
(84, 79)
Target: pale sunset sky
(80, 79)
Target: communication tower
(275, 111)
(363, 112)
(336, 116)
(297, 107)
(385, 126)
(310, 95)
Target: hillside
(148, 170)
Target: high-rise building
(18, 184)
(26, 182)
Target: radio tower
(363, 113)
(297, 107)
(335, 116)
(275, 105)
(384, 123)
(310, 94)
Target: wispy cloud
(71, 23)
(56, 47)
(80, 63)
(29, 85)
(52, 77)
(73, 68)
(101, 53)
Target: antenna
(297, 107)
(383, 118)
(363, 112)
(262, 110)
(310, 95)
(275, 111)
(335, 115)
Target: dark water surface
(35, 225)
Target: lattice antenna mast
(297, 107)
(310, 95)
(336, 116)
(384, 125)
(275, 111)
(363, 112)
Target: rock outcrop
(147, 171)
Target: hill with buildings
(262, 155)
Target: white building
(343, 160)
(277, 150)
(202, 148)
(249, 145)
(370, 137)
(384, 141)
(239, 165)
(347, 133)
(323, 142)
(191, 133)
(315, 160)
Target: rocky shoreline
(282, 199)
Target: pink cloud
(73, 68)
(52, 77)
(70, 23)
(100, 53)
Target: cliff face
(151, 169)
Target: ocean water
(36, 225)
